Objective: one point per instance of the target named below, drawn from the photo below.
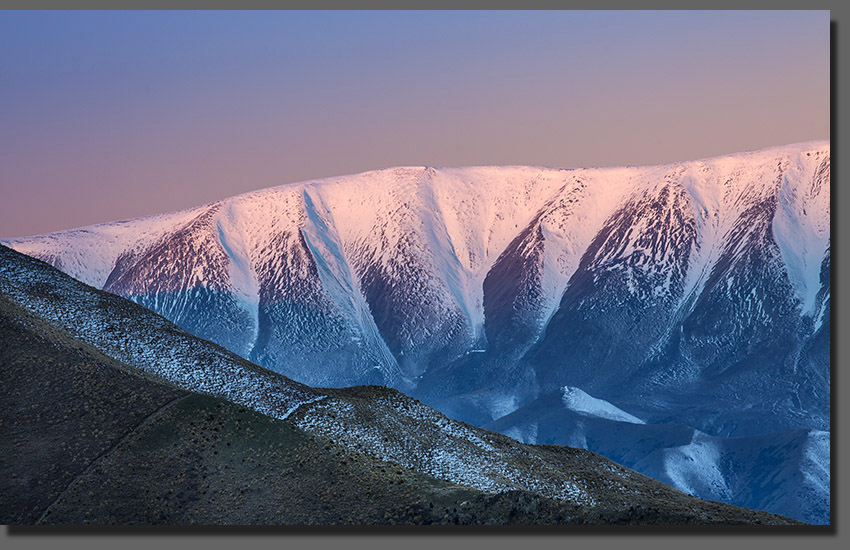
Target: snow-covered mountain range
(694, 295)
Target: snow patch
(695, 468)
(579, 401)
(815, 463)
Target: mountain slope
(104, 443)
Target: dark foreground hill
(87, 441)
(87, 438)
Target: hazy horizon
(119, 115)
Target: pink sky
(116, 115)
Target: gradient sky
(107, 116)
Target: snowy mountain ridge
(479, 236)
(455, 224)
(695, 293)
